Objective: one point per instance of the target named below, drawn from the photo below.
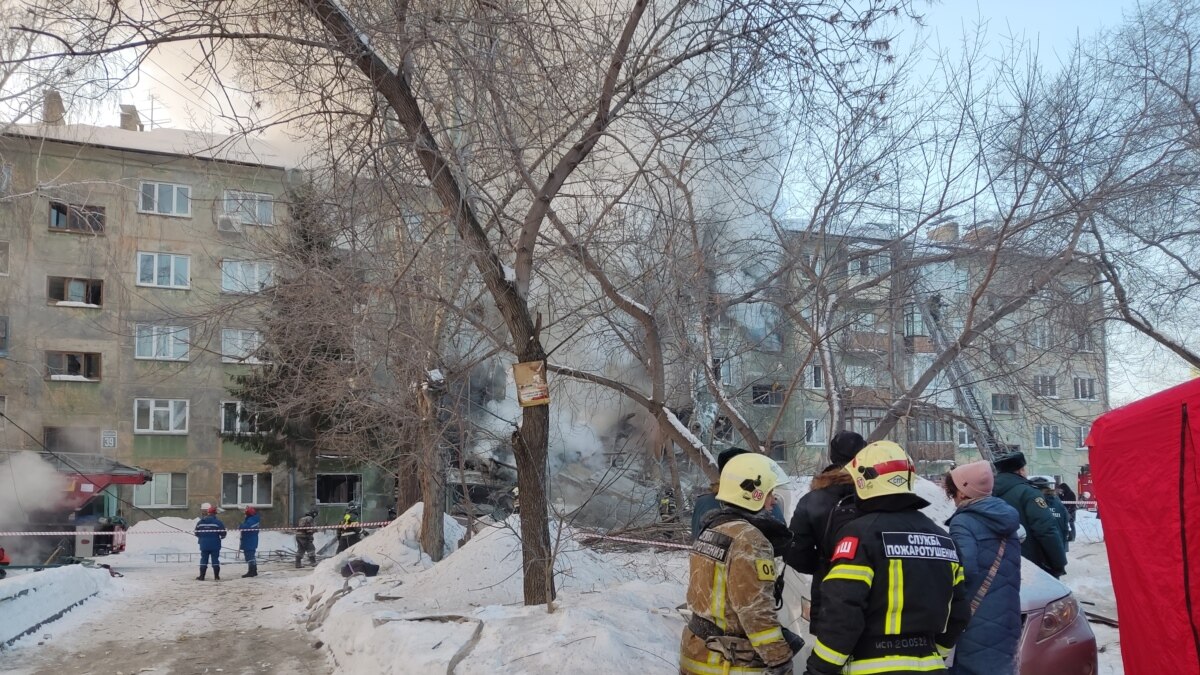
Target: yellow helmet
(747, 479)
(882, 468)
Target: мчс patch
(919, 545)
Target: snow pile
(29, 601)
(466, 610)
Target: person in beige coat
(734, 626)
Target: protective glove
(794, 642)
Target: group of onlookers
(892, 592)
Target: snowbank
(29, 601)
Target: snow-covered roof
(176, 142)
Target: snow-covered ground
(615, 612)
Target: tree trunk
(433, 483)
(408, 484)
(529, 445)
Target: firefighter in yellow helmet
(894, 598)
(734, 627)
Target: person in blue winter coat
(248, 531)
(984, 529)
(209, 532)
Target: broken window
(76, 218)
(777, 450)
(767, 394)
(246, 489)
(722, 429)
(814, 377)
(928, 430)
(69, 366)
(167, 199)
(236, 418)
(77, 291)
(339, 488)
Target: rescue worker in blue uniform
(894, 599)
(209, 533)
(248, 532)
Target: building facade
(131, 269)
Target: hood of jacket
(834, 474)
(993, 513)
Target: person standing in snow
(984, 529)
(813, 527)
(894, 599)
(707, 501)
(209, 533)
(304, 538)
(349, 532)
(1061, 517)
(1067, 496)
(248, 531)
(1043, 545)
(734, 626)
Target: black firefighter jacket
(814, 532)
(894, 600)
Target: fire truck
(83, 514)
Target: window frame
(170, 409)
(5, 257)
(243, 418)
(766, 394)
(962, 431)
(777, 450)
(356, 493)
(137, 270)
(86, 359)
(80, 218)
(1007, 397)
(259, 265)
(160, 332)
(1091, 388)
(1045, 434)
(255, 475)
(814, 428)
(814, 377)
(141, 194)
(251, 357)
(91, 285)
(171, 496)
(242, 196)
(1039, 388)
(4, 333)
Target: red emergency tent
(1147, 480)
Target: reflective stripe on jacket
(731, 584)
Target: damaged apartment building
(117, 247)
(854, 321)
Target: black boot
(216, 572)
(252, 572)
(298, 565)
(203, 569)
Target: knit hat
(1010, 463)
(726, 455)
(973, 480)
(844, 446)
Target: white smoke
(30, 491)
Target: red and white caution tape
(63, 533)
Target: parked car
(1056, 638)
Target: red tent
(1147, 480)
